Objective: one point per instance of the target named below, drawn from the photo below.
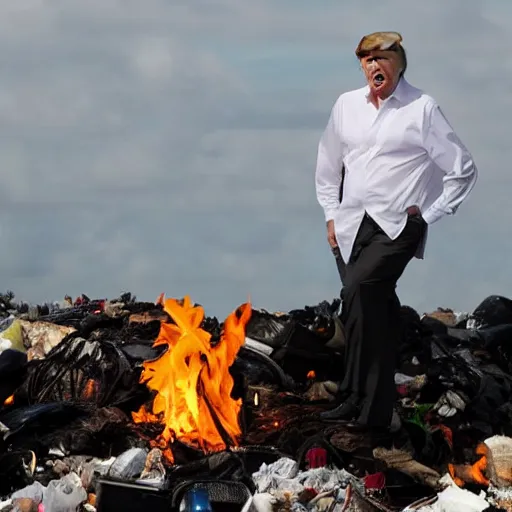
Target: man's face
(382, 70)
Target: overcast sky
(169, 146)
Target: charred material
(301, 341)
(80, 370)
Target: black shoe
(348, 410)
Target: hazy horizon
(154, 147)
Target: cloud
(156, 146)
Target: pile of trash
(72, 389)
(285, 486)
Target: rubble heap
(128, 404)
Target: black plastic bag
(301, 341)
(414, 343)
(494, 392)
(38, 420)
(498, 342)
(13, 368)
(318, 320)
(304, 355)
(316, 344)
(15, 471)
(270, 329)
(80, 370)
(275, 330)
(492, 311)
(434, 325)
(258, 369)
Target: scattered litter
(141, 395)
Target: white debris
(34, 492)
(273, 475)
(500, 496)
(129, 464)
(499, 460)
(450, 403)
(64, 495)
(5, 344)
(455, 499)
(103, 466)
(6, 505)
(324, 479)
(283, 482)
(472, 324)
(460, 316)
(401, 378)
(56, 452)
(263, 502)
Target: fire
(90, 389)
(9, 400)
(192, 380)
(474, 474)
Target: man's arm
(329, 165)
(451, 156)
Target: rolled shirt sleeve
(329, 166)
(451, 156)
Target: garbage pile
(129, 404)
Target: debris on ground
(129, 404)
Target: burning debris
(192, 381)
(120, 404)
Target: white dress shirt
(405, 153)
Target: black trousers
(371, 315)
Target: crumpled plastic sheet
(271, 476)
(64, 495)
(6, 322)
(34, 492)
(283, 480)
(455, 499)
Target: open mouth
(378, 79)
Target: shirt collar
(398, 94)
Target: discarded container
(130, 497)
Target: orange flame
(473, 474)
(90, 389)
(192, 380)
(9, 400)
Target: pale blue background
(170, 146)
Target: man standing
(404, 168)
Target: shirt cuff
(330, 214)
(432, 215)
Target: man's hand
(331, 237)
